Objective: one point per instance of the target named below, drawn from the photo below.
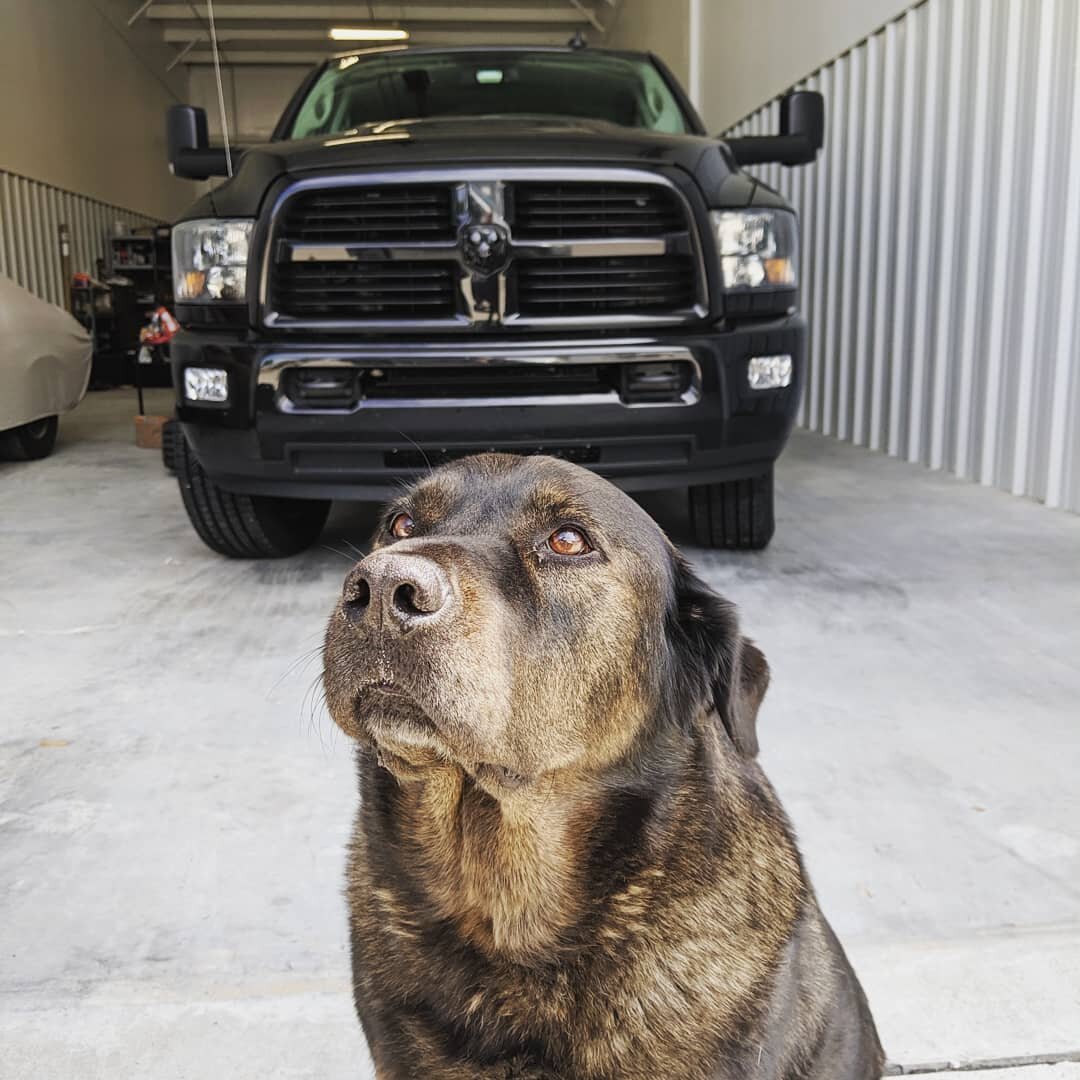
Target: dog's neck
(508, 871)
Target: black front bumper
(252, 446)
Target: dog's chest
(457, 948)
(643, 998)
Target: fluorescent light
(368, 33)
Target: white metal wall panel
(941, 243)
(31, 214)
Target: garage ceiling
(291, 32)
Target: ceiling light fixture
(368, 33)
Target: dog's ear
(714, 664)
(748, 689)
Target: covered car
(45, 360)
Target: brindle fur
(568, 863)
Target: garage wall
(661, 28)
(84, 99)
(255, 97)
(942, 243)
(750, 52)
(82, 133)
(30, 218)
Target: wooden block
(148, 431)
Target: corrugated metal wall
(941, 243)
(30, 217)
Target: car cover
(44, 358)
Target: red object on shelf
(161, 330)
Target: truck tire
(737, 514)
(170, 432)
(245, 526)
(29, 442)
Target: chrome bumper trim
(274, 365)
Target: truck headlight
(210, 260)
(759, 249)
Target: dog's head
(519, 615)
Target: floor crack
(982, 1064)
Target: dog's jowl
(568, 863)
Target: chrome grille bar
(528, 249)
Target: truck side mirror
(802, 134)
(190, 153)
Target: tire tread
(734, 514)
(244, 526)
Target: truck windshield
(359, 90)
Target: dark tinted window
(359, 90)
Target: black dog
(568, 863)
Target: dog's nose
(397, 591)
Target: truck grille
(579, 211)
(574, 287)
(528, 380)
(359, 290)
(351, 214)
(607, 249)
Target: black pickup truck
(444, 251)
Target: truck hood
(490, 140)
(487, 137)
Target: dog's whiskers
(347, 557)
(423, 453)
(302, 662)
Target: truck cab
(447, 251)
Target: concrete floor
(173, 806)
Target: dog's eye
(569, 541)
(402, 526)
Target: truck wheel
(170, 432)
(30, 442)
(245, 526)
(735, 514)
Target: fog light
(654, 383)
(769, 372)
(206, 384)
(322, 388)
